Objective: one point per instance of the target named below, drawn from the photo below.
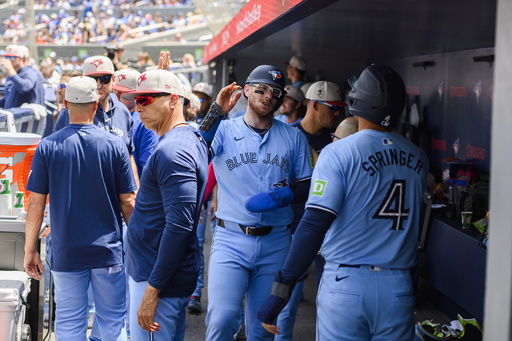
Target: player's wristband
(211, 122)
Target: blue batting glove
(271, 200)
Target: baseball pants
(365, 303)
(170, 314)
(242, 265)
(108, 286)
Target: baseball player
(163, 256)
(254, 156)
(86, 172)
(292, 110)
(365, 199)
(144, 140)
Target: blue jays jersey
(373, 182)
(246, 164)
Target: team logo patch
(121, 77)
(97, 63)
(275, 74)
(141, 79)
(280, 183)
(319, 188)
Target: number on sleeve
(393, 205)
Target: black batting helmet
(269, 74)
(377, 95)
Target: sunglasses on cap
(104, 79)
(148, 98)
(333, 107)
(276, 93)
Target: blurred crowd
(94, 22)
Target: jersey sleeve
(327, 190)
(218, 139)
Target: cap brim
(132, 94)
(10, 55)
(121, 88)
(99, 73)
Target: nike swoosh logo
(238, 139)
(341, 278)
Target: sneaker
(428, 330)
(471, 330)
(194, 305)
(240, 333)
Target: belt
(250, 230)
(371, 267)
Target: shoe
(194, 305)
(471, 330)
(428, 330)
(240, 333)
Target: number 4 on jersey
(393, 205)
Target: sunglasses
(62, 85)
(276, 93)
(104, 79)
(148, 98)
(333, 107)
(11, 57)
(334, 137)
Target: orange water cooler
(16, 154)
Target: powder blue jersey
(245, 164)
(373, 182)
(84, 169)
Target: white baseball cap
(81, 89)
(156, 81)
(16, 51)
(205, 88)
(326, 92)
(98, 65)
(297, 62)
(294, 92)
(196, 102)
(126, 80)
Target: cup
(466, 219)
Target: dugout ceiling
(340, 36)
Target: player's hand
(33, 265)
(164, 61)
(271, 328)
(227, 97)
(147, 309)
(7, 65)
(212, 209)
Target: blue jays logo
(276, 74)
(456, 147)
(478, 90)
(281, 183)
(97, 63)
(141, 79)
